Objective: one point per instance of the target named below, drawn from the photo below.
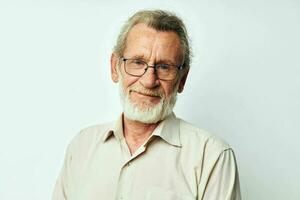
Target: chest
(153, 172)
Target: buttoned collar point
(168, 130)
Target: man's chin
(146, 104)
(144, 113)
(145, 107)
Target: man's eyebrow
(139, 57)
(160, 61)
(165, 61)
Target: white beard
(147, 113)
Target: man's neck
(136, 133)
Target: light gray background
(243, 85)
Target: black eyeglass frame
(179, 67)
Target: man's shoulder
(90, 135)
(192, 135)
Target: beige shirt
(177, 162)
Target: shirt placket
(125, 182)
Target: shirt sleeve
(61, 188)
(222, 181)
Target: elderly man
(148, 153)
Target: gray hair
(159, 20)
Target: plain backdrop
(243, 85)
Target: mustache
(149, 92)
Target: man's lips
(145, 94)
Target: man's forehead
(142, 40)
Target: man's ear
(182, 81)
(113, 67)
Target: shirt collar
(116, 129)
(168, 130)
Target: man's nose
(149, 79)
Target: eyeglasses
(137, 67)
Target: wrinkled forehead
(146, 42)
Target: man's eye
(163, 66)
(138, 62)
